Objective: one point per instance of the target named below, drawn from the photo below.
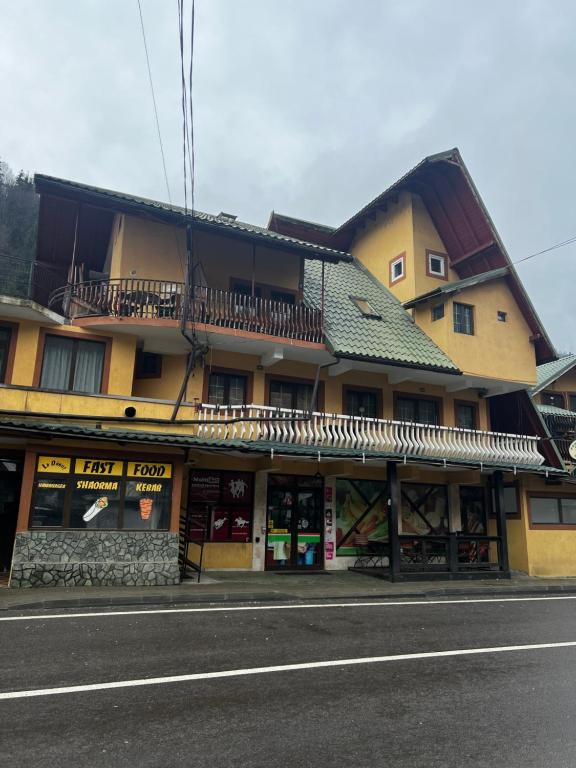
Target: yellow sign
(148, 470)
(97, 485)
(48, 484)
(53, 464)
(101, 467)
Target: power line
(547, 250)
(154, 102)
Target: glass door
(295, 524)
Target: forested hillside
(18, 214)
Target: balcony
(152, 300)
(363, 436)
(25, 288)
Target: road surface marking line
(278, 668)
(303, 606)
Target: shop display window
(220, 505)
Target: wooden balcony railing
(151, 299)
(328, 430)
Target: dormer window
(436, 264)
(365, 308)
(398, 269)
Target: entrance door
(295, 523)
(10, 482)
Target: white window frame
(399, 260)
(442, 259)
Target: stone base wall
(95, 558)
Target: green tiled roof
(549, 372)
(458, 285)
(394, 339)
(552, 410)
(124, 201)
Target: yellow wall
(149, 250)
(496, 350)
(426, 237)
(384, 238)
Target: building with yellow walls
(293, 396)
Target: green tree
(18, 214)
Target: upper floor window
(290, 394)
(465, 414)
(284, 296)
(554, 398)
(463, 318)
(148, 365)
(5, 339)
(365, 308)
(362, 402)
(502, 316)
(398, 268)
(572, 402)
(73, 365)
(437, 312)
(417, 409)
(226, 389)
(436, 264)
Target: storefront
(90, 517)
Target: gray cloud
(310, 107)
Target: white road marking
(277, 668)
(291, 607)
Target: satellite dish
(572, 450)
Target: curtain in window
(406, 409)
(56, 362)
(88, 368)
(280, 394)
(428, 412)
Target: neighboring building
(418, 448)
(555, 398)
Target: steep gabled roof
(394, 339)
(459, 285)
(126, 203)
(547, 373)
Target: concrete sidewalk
(234, 587)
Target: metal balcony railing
(328, 430)
(23, 279)
(153, 299)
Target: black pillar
(501, 530)
(394, 506)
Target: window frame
(443, 257)
(400, 259)
(6, 374)
(294, 380)
(347, 390)
(438, 307)
(467, 404)
(551, 393)
(549, 526)
(141, 374)
(472, 319)
(568, 400)
(411, 396)
(248, 382)
(371, 313)
(501, 316)
(105, 340)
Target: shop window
(102, 494)
(5, 339)
(366, 309)
(473, 513)
(424, 509)
(553, 398)
(437, 312)
(463, 318)
(226, 389)
(361, 512)
(72, 365)
(466, 415)
(148, 365)
(416, 409)
(362, 402)
(550, 510)
(436, 264)
(398, 269)
(290, 394)
(220, 506)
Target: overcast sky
(310, 107)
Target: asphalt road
(509, 708)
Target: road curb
(256, 597)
